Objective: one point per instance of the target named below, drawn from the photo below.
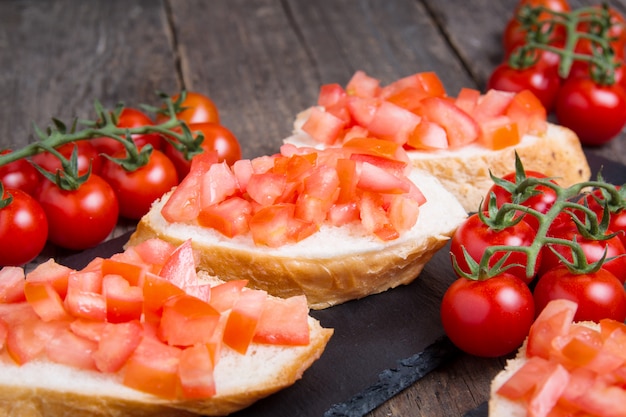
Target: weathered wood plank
(56, 58)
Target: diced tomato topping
(88, 329)
(53, 273)
(330, 95)
(153, 368)
(428, 136)
(116, 345)
(157, 291)
(243, 319)
(184, 202)
(187, 320)
(132, 273)
(362, 85)
(284, 322)
(363, 109)
(499, 133)
(195, 372)
(180, 267)
(323, 126)
(526, 109)
(270, 225)
(86, 304)
(230, 217)
(467, 99)
(580, 370)
(493, 103)
(123, 301)
(393, 122)
(266, 188)
(373, 178)
(27, 339)
(4, 331)
(44, 299)
(12, 284)
(460, 127)
(69, 349)
(225, 294)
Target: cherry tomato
(617, 31)
(543, 81)
(216, 138)
(542, 201)
(617, 221)
(513, 34)
(476, 237)
(87, 155)
(488, 318)
(137, 190)
(198, 108)
(82, 218)
(23, 229)
(599, 295)
(565, 228)
(129, 118)
(596, 113)
(19, 175)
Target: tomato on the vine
(488, 318)
(514, 35)
(596, 113)
(136, 190)
(565, 228)
(599, 294)
(129, 118)
(81, 218)
(23, 229)
(617, 220)
(541, 201)
(541, 80)
(475, 236)
(19, 175)
(197, 108)
(88, 156)
(216, 138)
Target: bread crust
(326, 277)
(30, 398)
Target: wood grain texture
(261, 61)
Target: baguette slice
(465, 171)
(334, 265)
(40, 388)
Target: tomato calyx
(4, 200)
(568, 205)
(67, 178)
(587, 25)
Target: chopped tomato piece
(156, 292)
(323, 126)
(187, 320)
(4, 331)
(180, 267)
(85, 281)
(12, 284)
(153, 368)
(431, 83)
(362, 85)
(526, 109)
(27, 338)
(224, 295)
(217, 184)
(460, 127)
(123, 301)
(403, 212)
(52, 272)
(88, 329)
(392, 122)
(69, 349)
(363, 109)
(230, 217)
(86, 305)
(347, 174)
(553, 321)
(184, 202)
(284, 322)
(467, 99)
(373, 146)
(409, 97)
(130, 272)
(343, 213)
(427, 136)
(116, 345)
(44, 299)
(243, 170)
(330, 95)
(195, 372)
(375, 179)
(270, 225)
(243, 319)
(499, 132)
(267, 187)
(374, 218)
(493, 103)
(154, 252)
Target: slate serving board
(382, 343)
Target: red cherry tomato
(198, 108)
(23, 229)
(542, 201)
(488, 318)
(543, 81)
(596, 113)
(129, 118)
(617, 221)
(513, 34)
(599, 295)
(476, 237)
(137, 190)
(82, 218)
(19, 175)
(87, 155)
(216, 138)
(565, 228)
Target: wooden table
(261, 61)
